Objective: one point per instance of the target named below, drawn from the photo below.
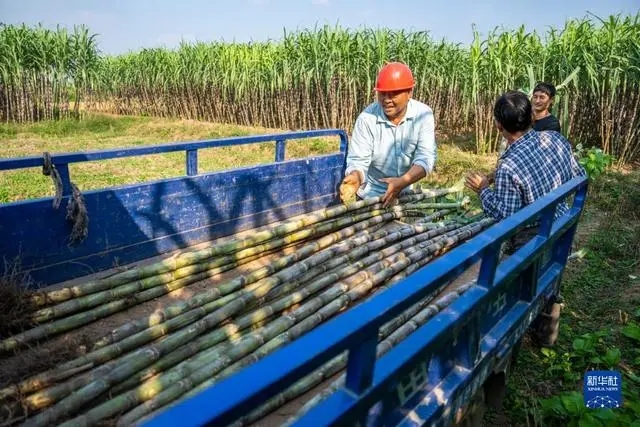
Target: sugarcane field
(176, 220)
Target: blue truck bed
(424, 380)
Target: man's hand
(349, 186)
(491, 178)
(394, 187)
(476, 182)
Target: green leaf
(604, 414)
(579, 344)
(612, 357)
(548, 352)
(553, 406)
(573, 402)
(633, 405)
(588, 420)
(632, 330)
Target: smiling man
(542, 100)
(393, 141)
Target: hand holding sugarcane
(349, 186)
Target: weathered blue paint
(191, 166)
(490, 316)
(281, 146)
(134, 222)
(116, 153)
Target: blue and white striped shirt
(532, 166)
(380, 149)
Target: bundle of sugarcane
(82, 304)
(199, 369)
(155, 360)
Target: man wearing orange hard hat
(393, 140)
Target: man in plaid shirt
(533, 164)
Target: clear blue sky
(124, 25)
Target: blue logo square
(602, 389)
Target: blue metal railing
(369, 380)
(61, 161)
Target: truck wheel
(546, 326)
(473, 414)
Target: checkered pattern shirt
(532, 166)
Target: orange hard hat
(394, 76)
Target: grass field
(105, 131)
(601, 288)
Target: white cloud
(320, 2)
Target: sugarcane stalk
(192, 257)
(111, 351)
(127, 399)
(146, 356)
(381, 270)
(347, 294)
(473, 229)
(426, 194)
(358, 253)
(277, 306)
(340, 272)
(384, 346)
(97, 298)
(181, 307)
(339, 362)
(417, 256)
(109, 307)
(71, 403)
(442, 205)
(152, 388)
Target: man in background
(542, 100)
(533, 164)
(543, 96)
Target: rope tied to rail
(49, 169)
(76, 208)
(77, 213)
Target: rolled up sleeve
(425, 154)
(505, 200)
(360, 149)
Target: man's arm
(505, 199)
(424, 159)
(425, 153)
(360, 149)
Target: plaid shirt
(532, 166)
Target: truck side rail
(128, 223)
(445, 360)
(61, 161)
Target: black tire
(546, 327)
(473, 414)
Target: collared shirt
(532, 166)
(380, 149)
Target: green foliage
(632, 331)
(594, 160)
(600, 326)
(324, 77)
(589, 352)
